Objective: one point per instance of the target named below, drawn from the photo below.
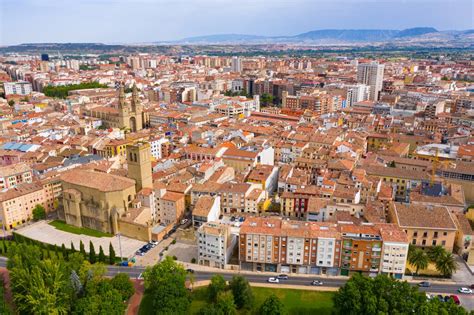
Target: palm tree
(436, 252)
(419, 259)
(446, 264)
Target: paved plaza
(45, 233)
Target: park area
(295, 301)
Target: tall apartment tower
(139, 165)
(371, 74)
(236, 64)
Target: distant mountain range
(334, 36)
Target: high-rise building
(236, 64)
(357, 93)
(371, 74)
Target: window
(414, 241)
(434, 243)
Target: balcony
(376, 249)
(374, 270)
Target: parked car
(447, 298)
(465, 290)
(282, 277)
(232, 219)
(184, 221)
(316, 282)
(273, 280)
(242, 219)
(424, 284)
(440, 298)
(189, 270)
(455, 299)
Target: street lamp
(120, 248)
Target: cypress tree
(111, 254)
(82, 250)
(92, 258)
(73, 250)
(64, 251)
(101, 255)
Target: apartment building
(17, 88)
(13, 175)
(215, 244)
(277, 245)
(371, 74)
(17, 204)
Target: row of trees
(385, 295)
(63, 252)
(62, 91)
(64, 286)
(444, 261)
(241, 93)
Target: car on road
(273, 280)
(316, 282)
(465, 290)
(189, 270)
(184, 221)
(455, 299)
(282, 277)
(154, 243)
(424, 284)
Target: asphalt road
(134, 272)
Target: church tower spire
(121, 97)
(135, 99)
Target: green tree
(436, 252)
(111, 254)
(418, 259)
(272, 306)
(101, 255)
(225, 303)
(92, 257)
(41, 289)
(100, 297)
(446, 264)
(64, 252)
(243, 295)
(165, 282)
(379, 295)
(217, 285)
(63, 91)
(73, 250)
(121, 282)
(39, 213)
(266, 99)
(82, 249)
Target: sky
(141, 21)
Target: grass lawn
(296, 301)
(430, 271)
(61, 225)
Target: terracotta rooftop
(97, 180)
(421, 216)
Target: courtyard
(44, 232)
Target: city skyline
(54, 21)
